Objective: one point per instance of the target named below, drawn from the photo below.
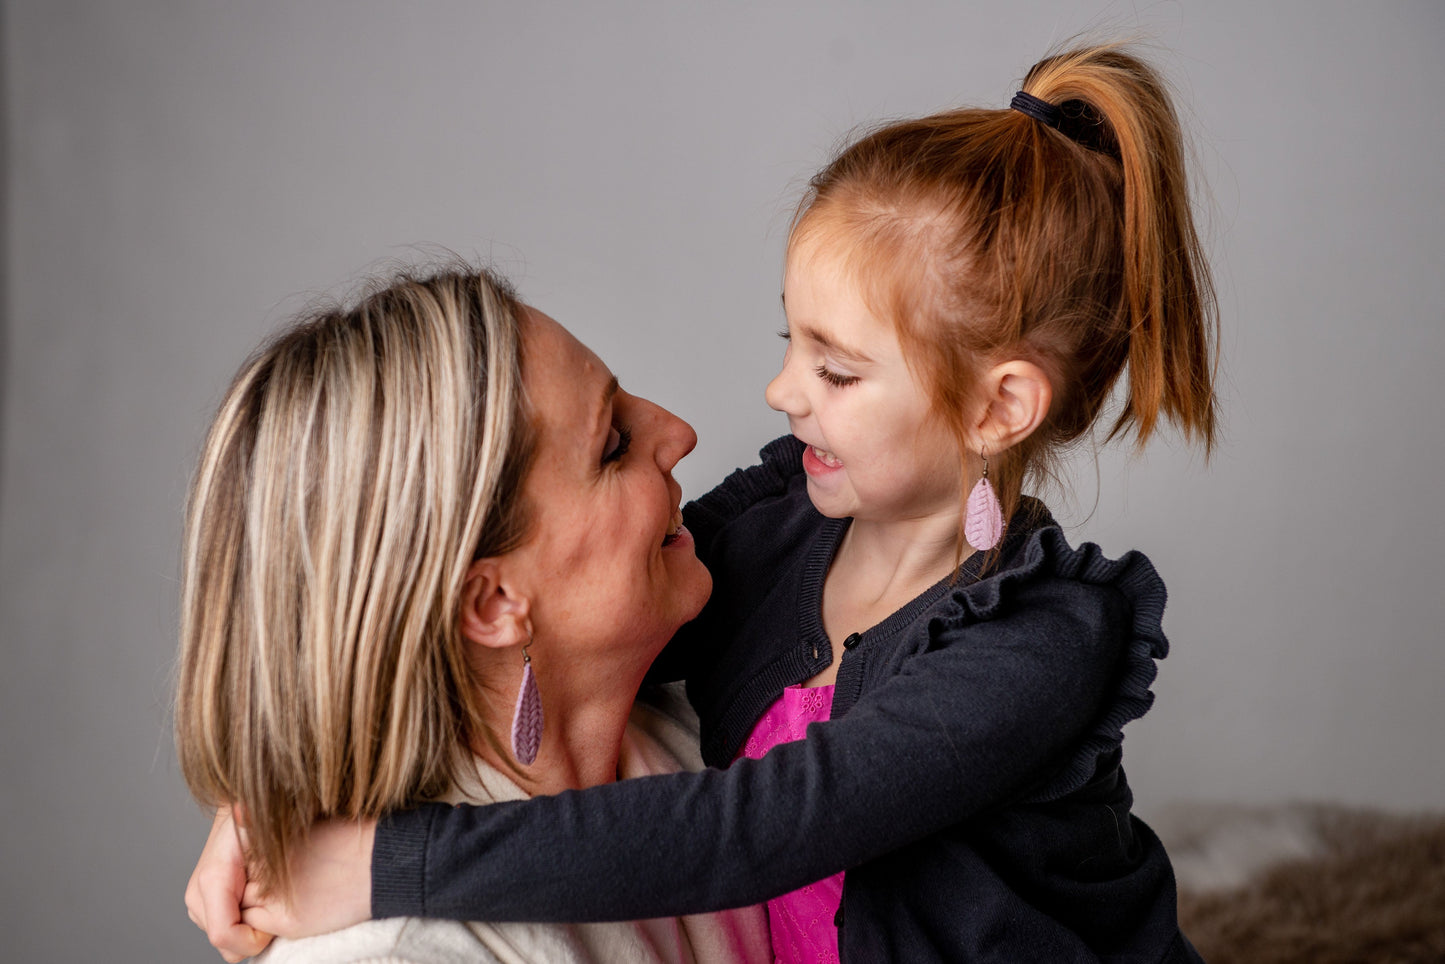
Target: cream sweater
(660, 738)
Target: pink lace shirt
(801, 921)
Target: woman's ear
(493, 614)
(1018, 396)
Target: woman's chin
(704, 595)
(697, 586)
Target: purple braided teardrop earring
(527, 718)
(983, 516)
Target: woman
(406, 513)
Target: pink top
(802, 921)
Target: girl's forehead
(820, 239)
(830, 280)
(822, 263)
(871, 262)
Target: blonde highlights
(985, 235)
(358, 464)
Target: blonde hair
(359, 462)
(985, 234)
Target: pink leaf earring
(527, 719)
(983, 517)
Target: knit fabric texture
(969, 780)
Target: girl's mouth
(827, 458)
(818, 461)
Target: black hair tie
(1075, 119)
(1037, 108)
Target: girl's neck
(889, 558)
(583, 728)
(879, 568)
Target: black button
(852, 641)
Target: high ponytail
(1172, 319)
(985, 235)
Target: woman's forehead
(569, 387)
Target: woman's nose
(675, 438)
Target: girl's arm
(1016, 707)
(964, 727)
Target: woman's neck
(585, 713)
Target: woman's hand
(213, 895)
(330, 884)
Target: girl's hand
(213, 895)
(330, 884)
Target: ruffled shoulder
(1045, 567)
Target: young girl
(963, 292)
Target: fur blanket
(1308, 883)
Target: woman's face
(608, 560)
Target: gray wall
(180, 175)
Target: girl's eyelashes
(619, 439)
(833, 378)
(823, 371)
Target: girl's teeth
(827, 458)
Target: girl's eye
(785, 334)
(618, 441)
(833, 378)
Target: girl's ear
(493, 614)
(1018, 396)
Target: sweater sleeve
(779, 461)
(966, 725)
(706, 517)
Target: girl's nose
(782, 394)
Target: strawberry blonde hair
(985, 235)
(358, 464)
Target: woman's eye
(833, 378)
(618, 441)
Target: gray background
(179, 177)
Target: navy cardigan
(968, 781)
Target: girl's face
(875, 450)
(608, 563)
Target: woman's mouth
(818, 461)
(674, 528)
